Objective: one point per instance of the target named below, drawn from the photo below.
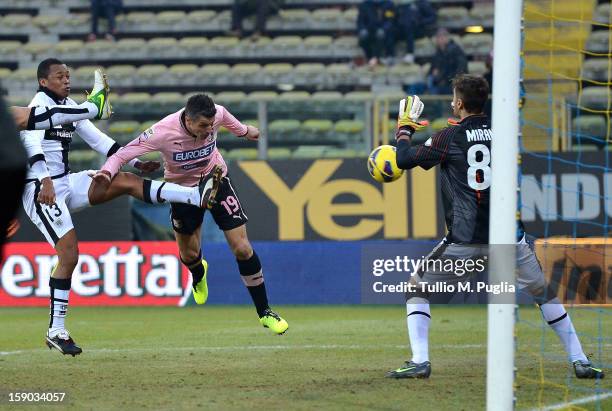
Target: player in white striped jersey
(52, 192)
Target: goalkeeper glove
(410, 109)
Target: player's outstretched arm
(44, 118)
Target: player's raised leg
(97, 106)
(149, 191)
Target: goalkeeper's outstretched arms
(426, 155)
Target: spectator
(448, 61)
(414, 21)
(376, 29)
(108, 9)
(261, 8)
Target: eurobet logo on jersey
(108, 273)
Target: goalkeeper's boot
(200, 289)
(100, 95)
(209, 186)
(411, 370)
(584, 369)
(273, 321)
(63, 343)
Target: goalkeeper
(463, 151)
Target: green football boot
(200, 290)
(274, 322)
(100, 95)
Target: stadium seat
(597, 98)
(278, 153)
(182, 74)
(316, 129)
(277, 73)
(151, 74)
(192, 46)
(308, 73)
(10, 49)
(162, 46)
(326, 18)
(234, 100)
(47, 23)
(131, 103)
(318, 46)
(201, 18)
(139, 21)
(478, 68)
(38, 51)
(77, 22)
(169, 20)
(283, 45)
(225, 46)
(598, 42)
(100, 50)
(334, 152)
(349, 130)
(404, 74)
(359, 97)
(217, 74)
(290, 103)
(309, 152)
(279, 130)
(482, 14)
(257, 48)
(589, 129)
(602, 14)
(246, 73)
(346, 47)
(350, 16)
(121, 75)
(70, 49)
(257, 96)
(242, 154)
(453, 17)
(167, 102)
(16, 21)
(131, 48)
(124, 131)
(477, 44)
(595, 70)
(339, 74)
(292, 19)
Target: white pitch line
(257, 347)
(579, 401)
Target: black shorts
(227, 211)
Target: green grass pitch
(331, 358)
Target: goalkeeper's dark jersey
(464, 154)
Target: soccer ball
(382, 164)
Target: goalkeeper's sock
(252, 277)
(555, 315)
(42, 118)
(195, 268)
(58, 304)
(418, 318)
(156, 192)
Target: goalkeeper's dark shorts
(227, 211)
(447, 267)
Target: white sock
(47, 117)
(59, 308)
(161, 192)
(418, 318)
(555, 315)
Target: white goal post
(503, 206)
